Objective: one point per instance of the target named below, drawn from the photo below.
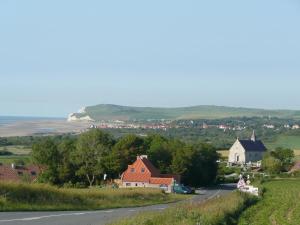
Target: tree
(285, 156)
(271, 164)
(45, 154)
(159, 152)
(91, 149)
(66, 166)
(197, 164)
(125, 152)
(279, 160)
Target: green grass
(19, 152)
(13, 158)
(286, 141)
(17, 149)
(223, 210)
(115, 112)
(297, 154)
(280, 205)
(38, 197)
(224, 153)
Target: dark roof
(153, 170)
(7, 173)
(253, 146)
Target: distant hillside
(117, 112)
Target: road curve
(100, 217)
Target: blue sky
(57, 56)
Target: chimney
(142, 157)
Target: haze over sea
(7, 120)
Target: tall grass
(223, 210)
(23, 197)
(280, 205)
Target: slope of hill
(125, 113)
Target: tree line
(87, 157)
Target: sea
(7, 120)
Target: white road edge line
(49, 216)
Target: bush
(5, 152)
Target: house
(246, 151)
(142, 173)
(13, 173)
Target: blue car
(181, 189)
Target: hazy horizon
(75, 111)
(59, 56)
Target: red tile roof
(7, 173)
(158, 180)
(150, 174)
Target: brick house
(142, 173)
(13, 173)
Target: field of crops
(280, 205)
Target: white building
(245, 151)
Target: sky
(58, 56)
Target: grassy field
(297, 154)
(37, 197)
(14, 158)
(117, 112)
(224, 153)
(18, 153)
(223, 210)
(292, 142)
(17, 149)
(279, 206)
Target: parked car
(181, 189)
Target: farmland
(279, 205)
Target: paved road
(100, 217)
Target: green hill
(117, 112)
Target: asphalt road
(100, 217)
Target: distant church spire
(253, 137)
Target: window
(132, 170)
(136, 184)
(143, 170)
(128, 184)
(33, 173)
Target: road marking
(132, 210)
(109, 211)
(49, 216)
(161, 208)
(214, 195)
